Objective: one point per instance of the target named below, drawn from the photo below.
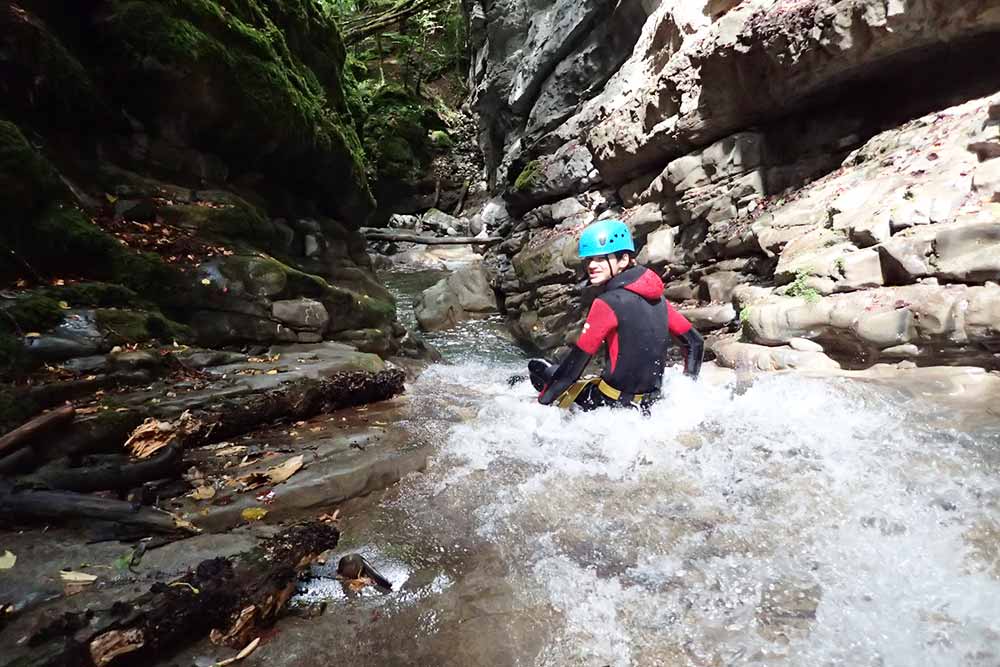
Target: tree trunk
(113, 473)
(234, 598)
(23, 434)
(48, 506)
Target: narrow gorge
(270, 271)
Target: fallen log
(229, 598)
(372, 234)
(32, 505)
(299, 400)
(23, 434)
(109, 473)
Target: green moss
(290, 119)
(441, 139)
(232, 221)
(95, 295)
(27, 313)
(62, 242)
(134, 326)
(27, 180)
(528, 176)
(397, 131)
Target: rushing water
(798, 522)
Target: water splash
(801, 522)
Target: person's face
(605, 267)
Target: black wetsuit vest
(643, 339)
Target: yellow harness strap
(567, 398)
(615, 394)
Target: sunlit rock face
(767, 152)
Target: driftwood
(300, 400)
(106, 432)
(404, 237)
(60, 505)
(109, 473)
(235, 596)
(23, 434)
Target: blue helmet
(604, 238)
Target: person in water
(635, 321)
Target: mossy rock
(62, 242)
(528, 176)
(27, 180)
(268, 108)
(263, 276)
(45, 84)
(238, 221)
(122, 327)
(441, 140)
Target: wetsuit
(637, 323)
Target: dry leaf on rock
(280, 473)
(253, 513)
(247, 650)
(274, 474)
(7, 560)
(73, 577)
(203, 493)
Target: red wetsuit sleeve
(601, 320)
(676, 323)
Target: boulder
(301, 314)
(709, 318)
(946, 322)
(464, 294)
(739, 355)
(659, 248)
(951, 251)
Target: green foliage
(800, 287)
(528, 176)
(396, 129)
(277, 62)
(441, 139)
(744, 314)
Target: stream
(796, 521)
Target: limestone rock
(464, 294)
(709, 318)
(735, 354)
(301, 314)
(658, 249)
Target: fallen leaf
(203, 493)
(184, 584)
(253, 513)
(247, 650)
(64, 305)
(72, 577)
(7, 560)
